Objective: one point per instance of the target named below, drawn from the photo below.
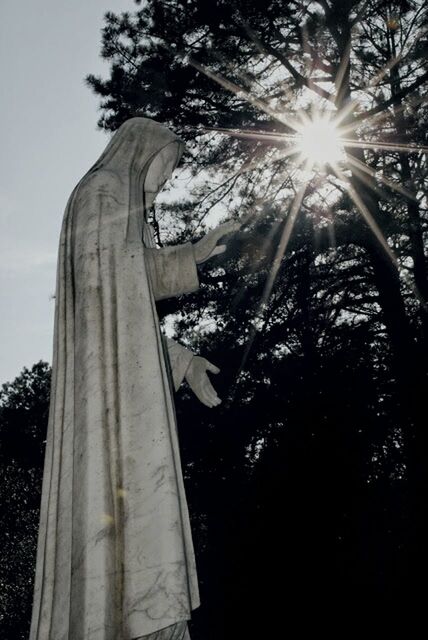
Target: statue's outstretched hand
(197, 378)
(207, 247)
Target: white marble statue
(115, 559)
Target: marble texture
(115, 558)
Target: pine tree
(23, 421)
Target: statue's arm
(172, 270)
(180, 359)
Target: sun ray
(266, 242)
(264, 246)
(365, 212)
(267, 51)
(276, 263)
(239, 92)
(283, 138)
(254, 134)
(384, 146)
(376, 79)
(353, 104)
(365, 177)
(391, 185)
(285, 237)
(228, 85)
(376, 118)
(379, 76)
(255, 162)
(371, 222)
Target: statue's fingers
(213, 399)
(212, 402)
(211, 367)
(220, 248)
(210, 394)
(201, 391)
(207, 399)
(210, 390)
(203, 397)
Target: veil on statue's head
(129, 154)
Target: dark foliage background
(306, 487)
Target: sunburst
(324, 141)
(319, 141)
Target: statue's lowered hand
(197, 378)
(207, 247)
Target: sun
(319, 142)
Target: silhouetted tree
(23, 421)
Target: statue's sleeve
(179, 358)
(172, 270)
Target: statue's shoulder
(99, 182)
(96, 184)
(102, 178)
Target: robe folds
(115, 559)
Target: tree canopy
(24, 407)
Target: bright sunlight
(319, 141)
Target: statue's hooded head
(143, 154)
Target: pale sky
(48, 139)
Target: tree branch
(387, 103)
(298, 77)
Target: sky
(49, 138)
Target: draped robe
(115, 559)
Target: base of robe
(178, 631)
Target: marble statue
(115, 558)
